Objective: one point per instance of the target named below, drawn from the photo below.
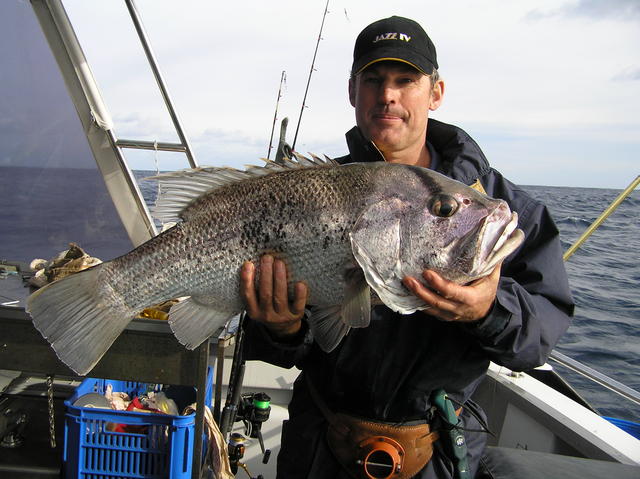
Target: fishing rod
(283, 79)
(605, 214)
(304, 99)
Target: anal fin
(194, 320)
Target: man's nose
(387, 93)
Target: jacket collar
(361, 150)
(460, 156)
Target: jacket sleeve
(533, 306)
(260, 345)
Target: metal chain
(52, 426)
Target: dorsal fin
(180, 189)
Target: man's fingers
(447, 289)
(439, 307)
(301, 292)
(428, 296)
(248, 289)
(269, 302)
(454, 302)
(265, 283)
(280, 287)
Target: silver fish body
(344, 230)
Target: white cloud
(625, 10)
(627, 74)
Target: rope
(217, 455)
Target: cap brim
(391, 54)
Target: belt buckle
(381, 457)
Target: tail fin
(76, 317)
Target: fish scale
(341, 229)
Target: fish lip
(493, 252)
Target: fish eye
(444, 206)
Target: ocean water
(42, 210)
(604, 275)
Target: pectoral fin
(327, 327)
(356, 308)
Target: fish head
(460, 233)
(424, 220)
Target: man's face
(392, 102)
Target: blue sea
(605, 276)
(42, 210)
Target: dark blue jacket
(388, 370)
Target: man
(388, 372)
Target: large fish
(344, 230)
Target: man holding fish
(383, 377)
(391, 279)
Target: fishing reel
(236, 446)
(12, 426)
(254, 410)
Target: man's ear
(437, 94)
(352, 91)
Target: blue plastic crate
(161, 447)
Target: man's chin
(386, 141)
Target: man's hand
(269, 302)
(452, 302)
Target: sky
(549, 89)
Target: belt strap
(353, 441)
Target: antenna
(326, 8)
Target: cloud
(626, 10)
(149, 125)
(629, 74)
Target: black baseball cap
(398, 39)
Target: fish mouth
(499, 240)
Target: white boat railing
(95, 119)
(184, 146)
(596, 376)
